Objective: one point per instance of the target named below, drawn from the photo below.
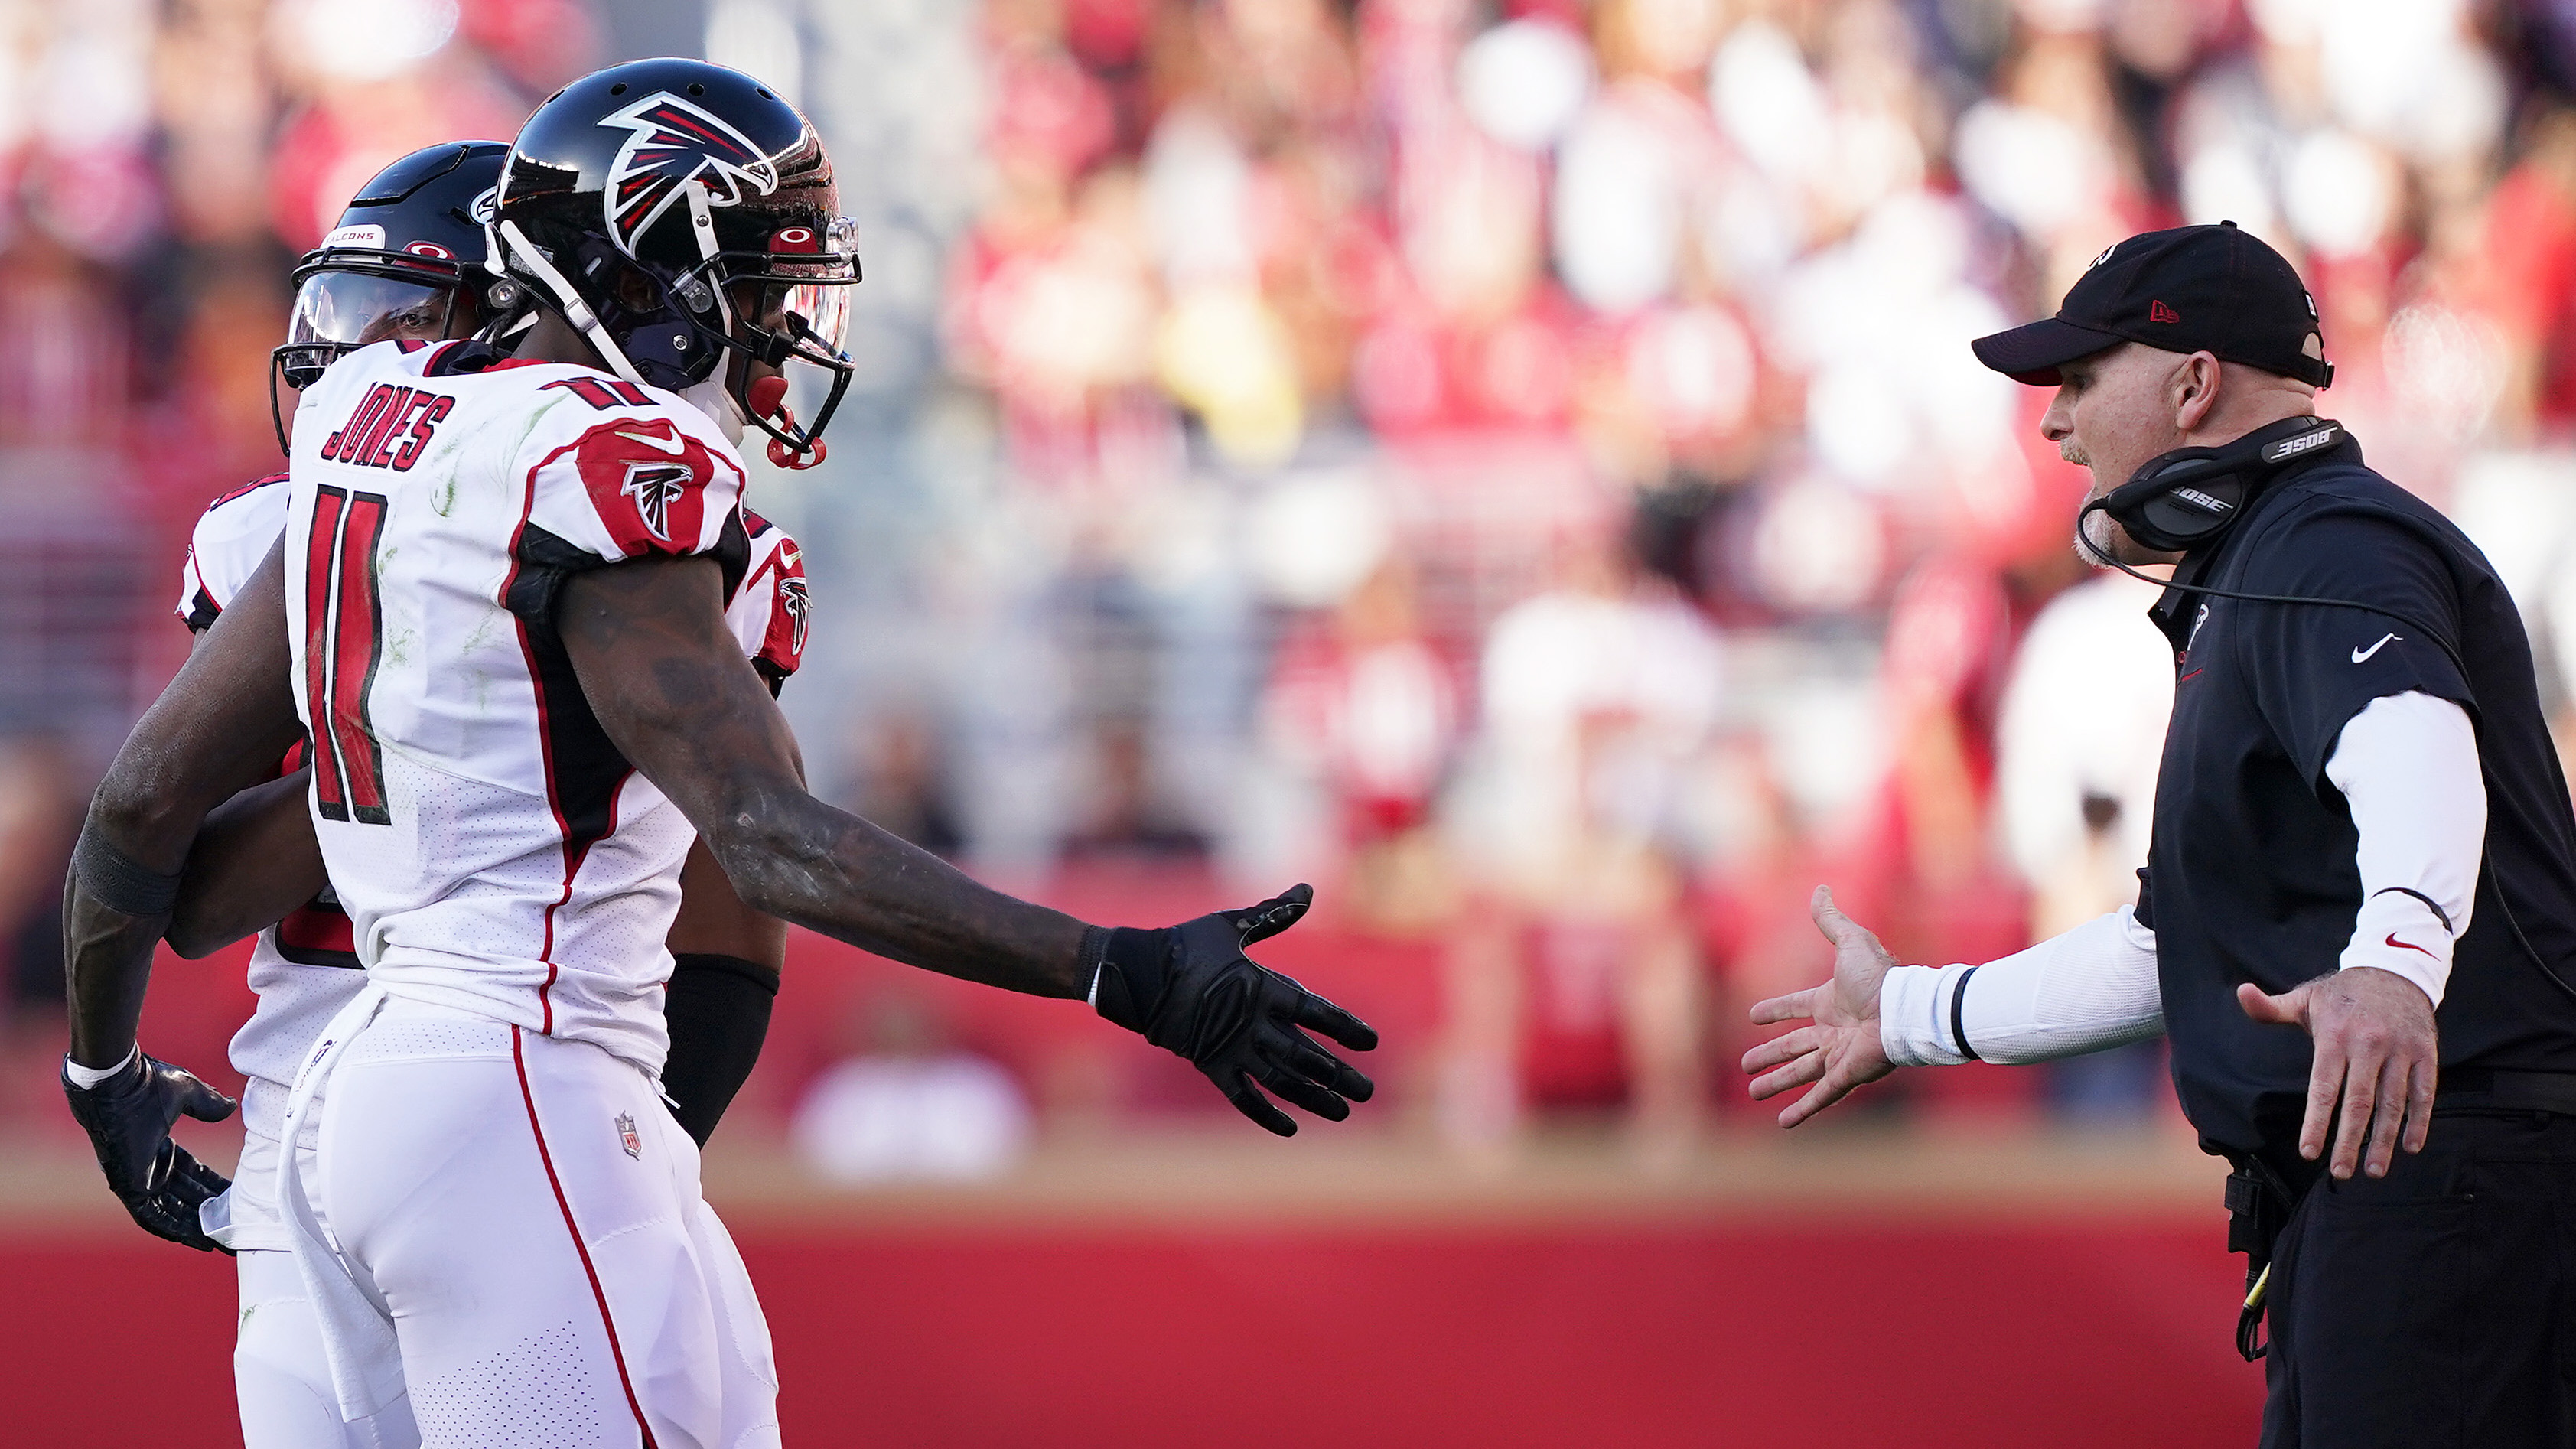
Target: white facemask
(716, 401)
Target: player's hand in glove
(128, 1118)
(1190, 988)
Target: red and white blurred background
(1515, 464)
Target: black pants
(2435, 1306)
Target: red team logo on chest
(648, 480)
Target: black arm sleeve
(718, 1011)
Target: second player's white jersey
(493, 849)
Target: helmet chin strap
(569, 302)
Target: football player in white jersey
(393, 267)
(499, 605)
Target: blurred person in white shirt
(910, 1106)
(1599, 694)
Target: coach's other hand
(2375, 1049)
(128, 1119)
(1190, 988)
(1841, 1049)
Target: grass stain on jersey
(443, 502)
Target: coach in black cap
(2357, 925)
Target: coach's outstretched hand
(2377, 1051)
(1190, 988)
(1841, 1049)
(128, 1119)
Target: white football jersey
(494, 851)
(306, 967)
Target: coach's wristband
(118, 881)
(1914, 1011)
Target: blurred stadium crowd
(1517, 464)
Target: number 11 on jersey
(343, 641)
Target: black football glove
(128, 1118)
(1190, 988)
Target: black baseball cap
(2213, 289)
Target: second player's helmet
(674, 212)
(406, 256)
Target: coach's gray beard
(2094, 540)
(714, 399)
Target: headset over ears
(2189, 497)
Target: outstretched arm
(2083, 990)
(676, 696)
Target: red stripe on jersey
(357, 650)
(616, 1351)
(330, 795)
(245, 490)
(753, 580)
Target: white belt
(357, 1328)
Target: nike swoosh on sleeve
(2362, 656)
(2407, 945)
(676, 446)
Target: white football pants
(528, 1214)
(281, 1377)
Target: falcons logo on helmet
(673, 146)
(655, 487)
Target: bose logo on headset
(2305, 442)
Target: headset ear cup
(2181, 500)
(2189, 498)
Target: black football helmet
(674, 212)
(406, 256)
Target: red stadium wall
(2102, 1334)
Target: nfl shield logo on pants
(626, 1134)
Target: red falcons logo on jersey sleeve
(648, 481)
(675, 146)
(783, 643)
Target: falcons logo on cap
(675, 145)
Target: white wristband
(88, 1078)
(1914, 1015)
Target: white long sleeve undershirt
(2083, 990)
(2408, 767)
